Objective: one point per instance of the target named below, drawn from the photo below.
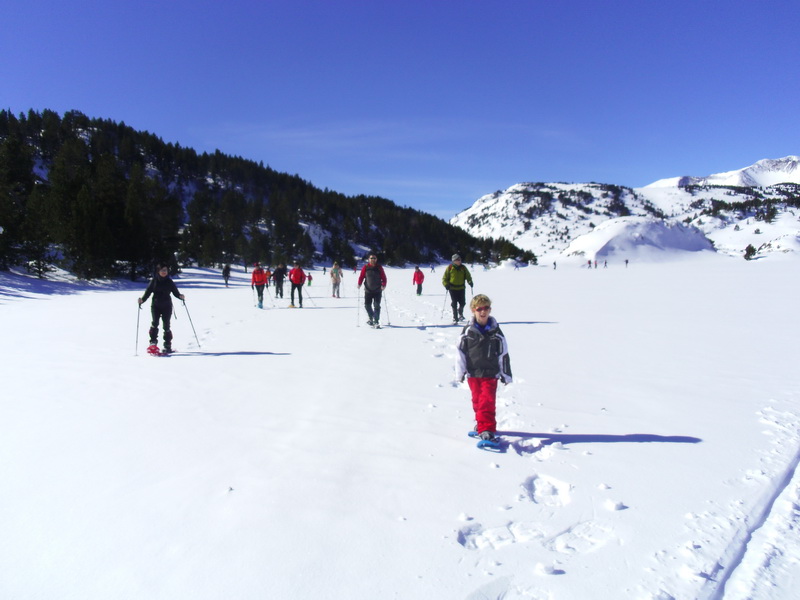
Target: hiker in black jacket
(162, 288)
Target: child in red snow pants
(484, 393)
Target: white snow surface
(653, 435)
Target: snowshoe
(487, 440)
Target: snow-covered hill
(764, 173)
(547, 218)
(653, 433)
(638, 239)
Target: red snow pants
(484, 393)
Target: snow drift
(638, 238)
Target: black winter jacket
(483, 354)
(161, 288)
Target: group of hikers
(482, 352)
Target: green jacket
(456, 277)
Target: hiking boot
(486, 435)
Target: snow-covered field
(653, 429)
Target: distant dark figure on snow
(162, 288)
(278, 275)
(419, 277)
(226, 274)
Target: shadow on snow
(548, 439)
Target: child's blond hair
(479, 300)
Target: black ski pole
(190, 322)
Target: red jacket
(259, 277)
(297, 276)
(418, 277)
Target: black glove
(447, 286)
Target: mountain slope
(764, 173)
(546, 218)
(99, 198)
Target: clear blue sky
(430, 103)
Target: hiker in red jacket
(297, 277)
(258, 281)
(419, 277)
(374, 280)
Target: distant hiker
(626, 263)
(482, 358)
(309, 278)
(324, 270)
(590, 264)
(605, 264)
(374, 279)
(161, 286)
(454, 280)
(267, 275)
(417, 280)
(278, 275)
(554, 265)
(336, 279)
(226, 274)
(433, 269)
(258, 281)
(297, 278)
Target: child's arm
(461, 360)
(504, 361)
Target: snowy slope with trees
(653, 430)
(756, 206)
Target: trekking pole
(388, 315)
(269, 295)
(445, 303)
(358, 307)
(190, 322)
(138, 314)
(255, 302)
(309, 297)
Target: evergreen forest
(100, 199)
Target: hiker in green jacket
(454, 280)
